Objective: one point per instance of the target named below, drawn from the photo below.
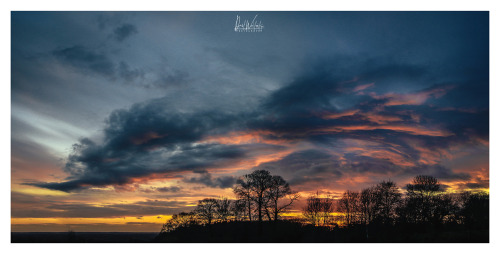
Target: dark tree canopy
(423, 186)
(318, 210)
(263, 192)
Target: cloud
(152, 139)
(363, 87)
(206, 178)
(86, 60)
(477, 185)
(416, 98)
(320, 169)
(169, 189)
(46, 208)
(129, 74)
(124, 31)
(148, 140)
(90, 61)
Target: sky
(121, 119)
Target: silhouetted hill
(293, 232)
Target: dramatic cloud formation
(121, 114)
(148, 140)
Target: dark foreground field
(82, 237)
(269, 232)
(291, 232)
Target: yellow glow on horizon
(111, 220)
(40, 191)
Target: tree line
(423, 203)
(261, 196)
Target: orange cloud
(238, 138)
(393, 157)
(417, 98)
(251, 162)
(362, 87)
(339, 115)
(381, 119)
(413, 130)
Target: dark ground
(290, 232)
(82, 237)
(269, 232)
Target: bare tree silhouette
(238, 208)
(206, 210)
(222, 209)
(263, 191)
(349, 206)
(368, 203)
(278, 189)
(388, 198)
(317, 210)
(420, 196)
(243, 190)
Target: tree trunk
(268, 215)
(260, 209)
(249, 210)
(275, 210)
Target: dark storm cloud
(87, 60)
(146, 125)
(124, 31)
(206, 178)
(89, 167)
(149, 139)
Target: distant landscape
(250, 126)
(379, 213)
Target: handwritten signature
(246, 26)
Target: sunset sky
(122, 119)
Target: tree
(206, 210)
(444, 208)
(238, 208)
(179, 220)
(423, 186)
(420, 198)
(474, 209)
(263, 191)
(260, 181)
(349, 206)
(243, 191)
(279, 188)
(317, 210)
(387, 200)
(368, 203)
(222, 209)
